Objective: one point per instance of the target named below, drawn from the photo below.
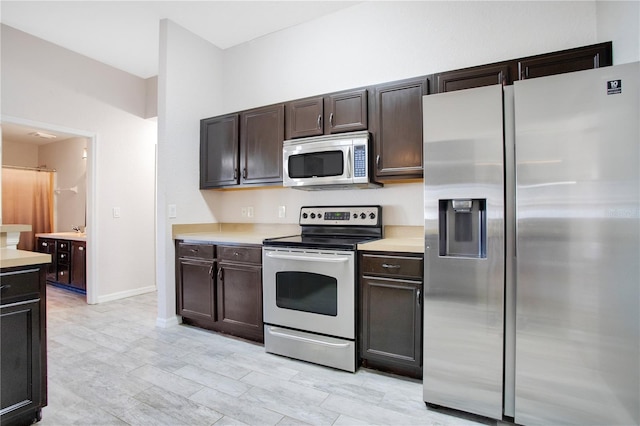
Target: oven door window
(316, 164)
(307, 292)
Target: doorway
(73, 188)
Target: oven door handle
(273, 332)
(307, 258)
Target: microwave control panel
(341, 215)
(360, 161)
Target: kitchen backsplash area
(402, 203)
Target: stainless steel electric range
(309, 285)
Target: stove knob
(355, 215)
(372, 215)
(362, 215)
(304, 215)
(313, 215)
(319, 215)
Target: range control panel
(341, 215)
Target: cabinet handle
(44, 244)
(244, 173)
(388, 266)
(235, 173)
(378, 161)
(5, 287)
(235, 253)
(62, 256)
(331, 119)
(211, 271)
(81, 248)
(418, 297)
(61, 272)
(220, 275)
(194, 251)
(319, 121)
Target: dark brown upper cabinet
(578, 59)
(469, 78)
(345, 111)
(243, 148)
(334, 113)
(261, 137)
(397, 128)
(219, 151)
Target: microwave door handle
(349, 163)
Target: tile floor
(110, 365)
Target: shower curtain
(27, 198)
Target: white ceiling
(23, 134)
(125, 34)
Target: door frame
(90, 208)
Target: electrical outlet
(282, 211)
(250, 211)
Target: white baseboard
(168, 322)
(124, 294)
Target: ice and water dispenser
(463, 228)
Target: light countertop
(10, 258)
(408, 239)
(72, 236)
(238, 233)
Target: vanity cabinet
(391, 312)
(23, 339)
(68, 267)
(219, 287)
(240, 291)
(397, 128)
(242, 148)
(338, 112)
(78, 276)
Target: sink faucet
(76, 228)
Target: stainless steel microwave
(328, 162)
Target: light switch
(116, 212)
(250, 211)
(173, 212)
(282, 211)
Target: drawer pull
(194, 251)
(44, 244)
(388, 266)
(5, 287)
(418, 298)
(81, 248)
(235, 253)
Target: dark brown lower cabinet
(23, 339)
(78, 276)
(240, 291)
(391, 313)
(220, 288)
(68, 267)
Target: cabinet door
(345, 111)
(219, 151)
(45, 245)
(240, 300)
(578, 59)
(304, 118)
(473, 77)
(78, 265)
(261, 137)
(392, 322)
(196, 290)
(398, 129)
(22, 387)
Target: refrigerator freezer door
(578, 248)
(463, 296)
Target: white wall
(619, 21)
(71, 171)
(368, 43)
(19, 154)
(189, 88)
(45, 83)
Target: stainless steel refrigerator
(532, 249)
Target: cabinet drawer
(198, 251)
(63, 245)
(16, 285)
(63, 257)
(392, 266)
(240, 254)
